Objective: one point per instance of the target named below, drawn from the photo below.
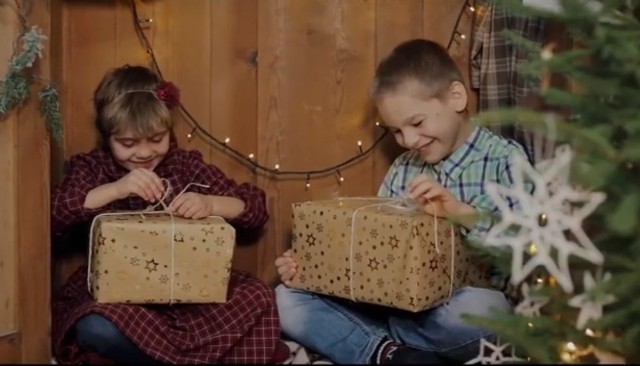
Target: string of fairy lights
(250, 160)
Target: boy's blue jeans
(97, 334)
(341, 330)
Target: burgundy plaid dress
(245, 329)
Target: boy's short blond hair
(125, 99)
(421, 60)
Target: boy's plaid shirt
(484, 157)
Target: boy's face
(132, 151)
(433, 127)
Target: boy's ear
(458, 96)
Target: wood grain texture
(9, 348)
(33, 215)
(24, 198)
(440, 24)
(8, 184)
(396, 22)
(316, 62)
(285, 80)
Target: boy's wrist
(468, 215)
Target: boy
(420, 96)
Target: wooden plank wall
(302, 103)
(24, 209)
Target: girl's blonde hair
(127, 98)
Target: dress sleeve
(254, 215)
(67, 198)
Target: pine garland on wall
(15, 85)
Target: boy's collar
(458, 161)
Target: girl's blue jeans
(97, 334)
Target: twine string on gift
(402, 204)
(151, 209)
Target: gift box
(152, 257)
(378, 251)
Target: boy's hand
(192, 205)
(140, 182)
(287, 267)
(434, 198)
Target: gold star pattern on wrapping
(373, 264)
(347, 274)
(208, 230)
(224, 280)
(394, 242)
(101, 240)
(391, 258)
(311, 240)
(319, 228)
(164, 279)
(134, 261)
(433, 264)
(151, 266)
(178, 238)
(374, 234)
(404, 224)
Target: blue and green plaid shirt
(484, 157)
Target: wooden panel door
(24, 209)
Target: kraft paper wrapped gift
(135, 259)
(376, 251)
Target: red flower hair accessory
(168, 93)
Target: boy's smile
(434, 127)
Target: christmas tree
(573, 250)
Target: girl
(134, 120)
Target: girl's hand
(192, 205)
(140, 182)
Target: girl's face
(132, 151)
